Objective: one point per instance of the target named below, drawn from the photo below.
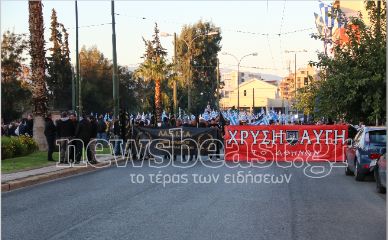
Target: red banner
(286, 143)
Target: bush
(6, 151)
(17, 146)
(29, 143)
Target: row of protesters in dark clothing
(145, 121)
(68, 132)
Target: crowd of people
(106, 127)
(23, 126)
(87, 128)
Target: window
(302, 72)
(378, 136)
(245, 93)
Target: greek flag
(319, 24)
(232, 116)
(206, 116)
(330, 19)
(274, 116)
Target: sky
(243, 25)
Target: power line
(280, 31)
(281, 22)
(92, 25)
(270, 51)
(224, 29)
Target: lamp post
(295, 51)
(188, 44)
(174, 91)
(80, 84)
(238, 73)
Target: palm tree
(155, 71)
(37, 53)
(154, 68)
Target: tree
(96, 75)
(198, 50)
(354, 85)
(155, 68)
(129, 97)
(37, 53)
(59, 78)
(15, 91)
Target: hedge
(17, 146)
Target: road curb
(45, 177)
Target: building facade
(254, 95)
(230, 80)
(304, 76)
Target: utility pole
(73, 95)
(295, 76)
(189, 87)
(114, 75)
(238, 73)
(253, 100)
(78, 78)
(238, 86)
(218, 83)
(378, 37)
(174, 83)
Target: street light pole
(188, 44)
(174, 83)
(295, 75)
(238, 73)
(297, 51)
(218, 83)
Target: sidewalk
(12, 181)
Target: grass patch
(33, 160)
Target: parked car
(363, 152)
(380, 172)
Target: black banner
(177, 141)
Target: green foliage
(17, 146)
(155, 69)
(15, 91)
(59, 80)
(97, 88)
(196, 48)
(354, 85)
(33, 160)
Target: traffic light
(306, 81)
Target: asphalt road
(108, 205)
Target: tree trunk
(39, 125)
(39, 91)
(158, 100)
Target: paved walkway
(6, 177)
